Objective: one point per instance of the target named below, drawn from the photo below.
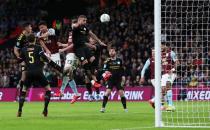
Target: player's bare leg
(94, 80)
(89, 88)
(105, 99)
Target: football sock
(105, 100)
(21, 100)
(89, 89)
(169, 98)
(64, 83)
(73, 86)
(97, 91)
(47, 99)
(123, 100)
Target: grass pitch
(79, 116)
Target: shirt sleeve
(38, 34)
(146, 66)
(51, 32)
(19, 40)
(173, 56)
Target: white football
(104, 18)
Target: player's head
(82, 20)
(165, 46)
(31, 38)
(92, 41)
(112, 52)
(43, 26)
(27, 27)
(73, 22)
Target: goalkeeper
(114, 76)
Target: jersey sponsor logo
(133, 95)
(82, 58)
(18, 44)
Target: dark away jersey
(31, 54)
(21, 41)
(80, 36)
(115, 67)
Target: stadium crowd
(130, 30)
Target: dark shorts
(114, 82)
(83, 53)
(35, 77)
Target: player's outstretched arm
(17, 46)
(50, 62)
(175, 60)
(16, 51)
(45, 47)
(62, 44)
(146, 66)
(66, 48)
(96, 38)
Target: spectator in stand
(5, 80)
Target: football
(104, 18)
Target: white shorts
(168, 78)
(165, 78)
(56, 58)
(71, 60)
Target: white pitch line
(134, 128)
(98, 114)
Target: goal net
(185, 27)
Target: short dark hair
(42, 23)
(31, 38)
(112, 47)
(26, 24)
(74, 20)
(82, 16)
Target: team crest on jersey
(18, 44)
(82, 58)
